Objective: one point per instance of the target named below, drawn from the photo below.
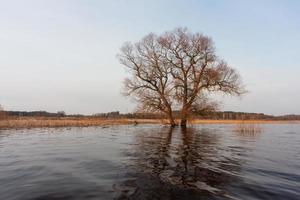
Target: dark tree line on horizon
(215, 115)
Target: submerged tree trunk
(171, 119)
(183, 122)
(172, 122)
(184, 114)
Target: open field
(35, 122)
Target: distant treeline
(221, 115)
(32, 114)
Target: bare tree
(61, 113)
(2, 113)
(196, 70)
(150, 81)
(177, 68)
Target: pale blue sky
(61, 54)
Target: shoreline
(31, 122)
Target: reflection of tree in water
(179, 163)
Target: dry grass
(34, 122)
(248, 129)
(209, 121)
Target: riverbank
(31, 122)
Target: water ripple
(151, 162)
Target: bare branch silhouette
(177, 68)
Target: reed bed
(248, 129)
(37, 122)
(27, 122)
(216, 121)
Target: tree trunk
(171, 118)
(184, 113)
(172, 122)
(183, 122)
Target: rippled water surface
(151, 162)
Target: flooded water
(151, 162)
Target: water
(151, 162)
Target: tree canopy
(177, 70)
